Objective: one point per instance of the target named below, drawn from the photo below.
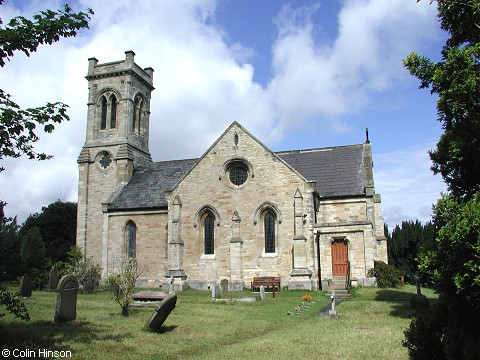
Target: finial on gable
(367, 141)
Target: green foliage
(124, 281)
(18, 126)
(456, 81)
(14, 305)
(450, 329)
(84, 269)
(57, 224)
(387, 275)
(21, 34)
(454, 267)
(454, 264)
(10, 245)
(423, 336)
(32, 250)
(406, 243)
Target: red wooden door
(339, 258)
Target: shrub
(14, 305)
(387, 275)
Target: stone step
(339, 294)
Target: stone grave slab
(148, 298)
(161, 313)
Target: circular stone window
(238, 174)
(104, 160)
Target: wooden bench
(267, 281)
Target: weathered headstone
(417, 282)
(224, 284)
(332, 311)
(88, 286)
(26, 286)
(161, 313)
(53, 279)
(66, 309)
(262, 292)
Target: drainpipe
(317, 240)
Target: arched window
(108, 111)
(131, 239)
(103, 120)
(113, 112)
(269, 224)
(137, 114)
(209, 234)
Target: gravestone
(161, 313)
(53, 279)
(332, 311)
(66, 309)
(215, 291)
(26, 286)
(262, 292)
(88, 286)
(224, 284)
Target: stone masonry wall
(270, 180)
(151, 244)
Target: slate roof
(146, 189)
(338, 171)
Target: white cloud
(316, 80)
(407, 185)
(203, 83)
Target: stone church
(239, 211)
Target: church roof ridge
(318, 149)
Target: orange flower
(307, 297)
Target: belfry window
(108, 112)
(269, 224)
(208, 234)
(103, 121)
(113, 112)
(137, 114)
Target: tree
(83, 268)
(57, 224)
(406, 243)
(18, 126)
(450, 327)
(454, 267)
(32, 250)
(10, 245)
(456, 81)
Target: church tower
(116, 142)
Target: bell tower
(116, 141)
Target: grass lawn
(370, 325)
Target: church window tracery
(137, 114)
(108, 111)
(209, 234)
(131, 239)
(269, 222)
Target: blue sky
(297, 74)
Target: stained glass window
(238, 175)
(131, 232)
(269, 226)
(208, 232)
